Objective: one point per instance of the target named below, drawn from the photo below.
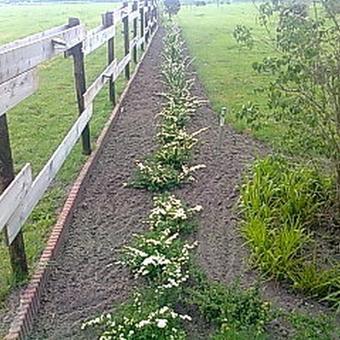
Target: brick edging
(30, 297)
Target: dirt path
(86, 280)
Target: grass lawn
(40, 123)
(224, 69)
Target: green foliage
(316, 328)
(167, 167)
(155, 176)
(281, 204)
(284, 192)
(145, 317)
(226, 332)
(242, 34)
(252, 115)
(241, 314)
(232, 309)
(304, 92)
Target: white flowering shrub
(177, 152)
(170, 213)
(142, 319)
(156, 176)
(167, 167)
(173, 44)
(160, 257)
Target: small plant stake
(220, 132)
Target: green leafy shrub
(231, 308)
(243, 36)
(227, 333)
(252, 115)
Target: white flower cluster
(155, 175)
(163, 260)
(170, 212)
(158, 323)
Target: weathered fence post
(108, 20)
(17, 247)
(80, 82)
(155, 15)
(152, 15)
(135, 30)
(126, 39)
(142, 24)
(147, 22)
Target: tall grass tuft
(282, 204)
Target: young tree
(305, 91)
(172, 7)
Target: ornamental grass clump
(282, 205)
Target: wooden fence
(18, 80)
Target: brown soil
(86, 280)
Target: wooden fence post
(126, 40)
(135, 31)
(146, 22)
(16, 248)
(142, 24)
(151, 15)
(80, 82)
(155, 14)
(108, 20)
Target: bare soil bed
(86, 279)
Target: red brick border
(30, 297)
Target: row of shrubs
(161, 258)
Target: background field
(225, 70)
(40, 123)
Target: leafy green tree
(172, 7)
(305, 67)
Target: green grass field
(225, 70)
(40, 123)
